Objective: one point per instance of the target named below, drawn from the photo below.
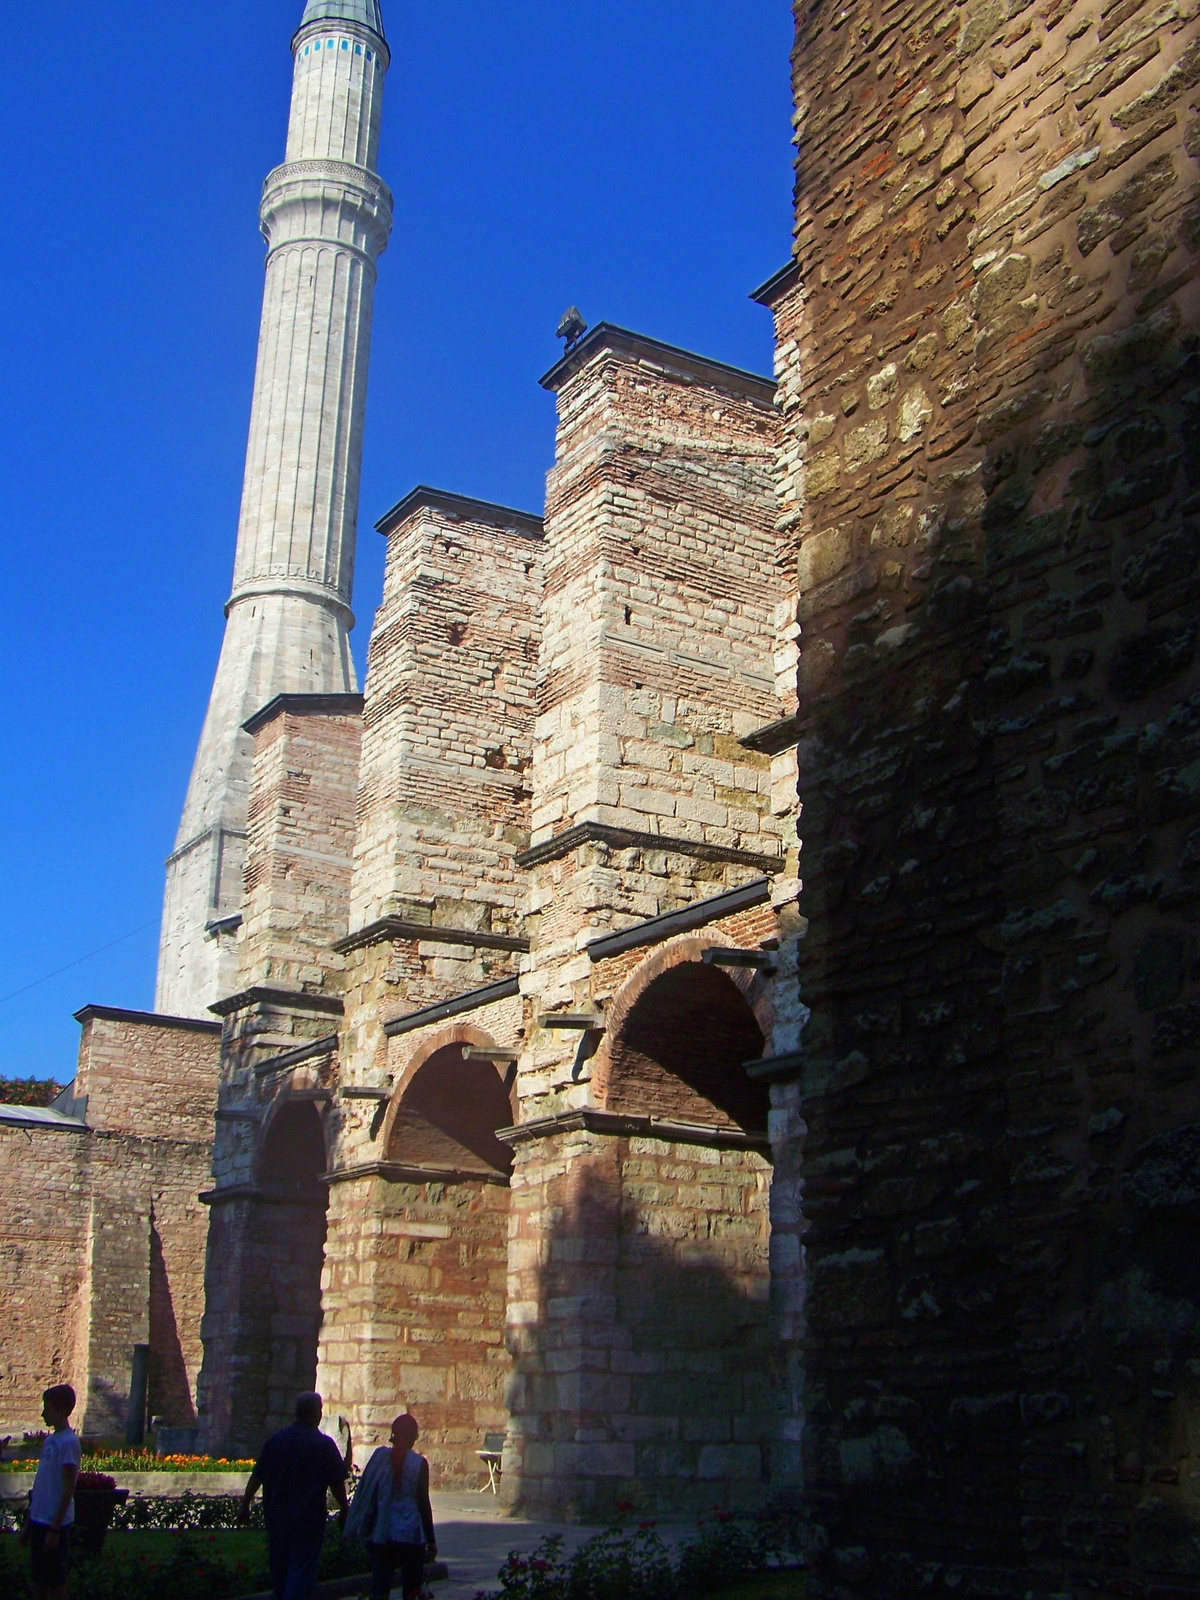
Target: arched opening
(449, 1113)
(680, 1050)
(443, 1276)
(692, 1275)
(290, 1247)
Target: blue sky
(631, 157)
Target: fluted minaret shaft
(326, 217)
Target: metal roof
(39, 1117)
(364, 12)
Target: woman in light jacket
(391, 1511)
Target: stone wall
(987, 357)
(43, 1178)
(103, 1228)
(262, 1307)
(300, 841)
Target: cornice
(686, 364)
(287, 999)
(655, 929)
(403, 1172)
(395, 928)
(617, 1124)
(627, 839)
(471, 1001)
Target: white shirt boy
(59, 1450)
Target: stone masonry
(561, 1232)
(550, 1099)
(988, 363)
(103, 1236)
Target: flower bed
(141, 1461)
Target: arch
(666, 1227)
(291, 1154)
(287, 1244)
(678, 1034)
(445, 1110)
(438, 1250)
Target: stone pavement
(474, 1537)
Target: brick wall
(43, 1220)
(104, 1232)
(300, 842)
(987, 362)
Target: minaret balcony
(326, 202)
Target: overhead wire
(78, 962)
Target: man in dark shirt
(296, 1468)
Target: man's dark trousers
(293, 1554)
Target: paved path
(474, 1537)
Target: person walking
(391, 1511)
(295, 1469)
(47, 1529)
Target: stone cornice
(627, 839)
(656, 929)
(147, 1019)
(253, 588)
(471, 1001)
(404, 1172)
(777, 285)
(773, 738)
(777, 1069)
(288, 999)
(394, 928)
(463, 507)
(686, 363)
(293, 1058)
(618, 1124)
(305, 705)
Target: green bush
(635, 1563)
(187, 1512)
(28, 1091)
(196, 1566)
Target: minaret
(326, 217)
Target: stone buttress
(278, 1071)
(638, 1278)
(415, 1260)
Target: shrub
(28, 1091)
(196, 1568)
(633, 1562)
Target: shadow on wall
(290, 1248)
(643, 1369)
(170, 1393)
(1003, 1165)
(649, 1381)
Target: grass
(157, 1544)
(782, 1586)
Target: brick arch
(446, 1110)
(292, 1146)
(678, 1032)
